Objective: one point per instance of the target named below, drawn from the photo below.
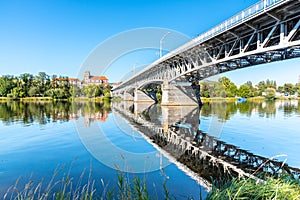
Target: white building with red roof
(94, 80)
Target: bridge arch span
(268, 31)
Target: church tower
(87, 76)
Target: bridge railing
(253, 10)
(240, 17)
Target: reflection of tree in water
(290, 107)
(266, 109)
(45, 112)
(222, 110)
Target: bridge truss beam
(269, 33)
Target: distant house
(72, 81)
(75, 82)
(94, 80)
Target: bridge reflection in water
(176, 131)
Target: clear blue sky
(56, 36)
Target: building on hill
(96, 80)
(75, 82)
(88, 80)
(72, 81)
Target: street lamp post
(160, 43)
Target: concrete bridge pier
(176, 95)
(140, 96)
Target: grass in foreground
(65, 189)
(275, 189)
(84, 188)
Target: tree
(229, 87)
(280, 89)
(270, 94)
(75, 91)
(261, 85)
(297, 88)
(17, 92)
(42, 82)
(26, 81)
(204, 89)
(244, 91)
(93, 90)
(253, 90)
(7, 83)
(33, 91)
(288, 88)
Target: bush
(270, 94)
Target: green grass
(65, 189)
(218, 99)
(94, 99)
(273, 188)
(30, 99)
(135, 188)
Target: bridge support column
(128, 97)
(140, 96)
(174, 95)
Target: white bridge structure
(268, 31)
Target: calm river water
(75, 140)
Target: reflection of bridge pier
(178, 114)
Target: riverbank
(49, 99)
(250, 99)
(101, 99)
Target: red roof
(74, 79)
(98, 78)
(69, 79)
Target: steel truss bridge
(266, 32)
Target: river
(182, 147)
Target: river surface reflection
(184, 146)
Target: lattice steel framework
(266, 32)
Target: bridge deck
(265, 32)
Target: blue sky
(56, 36)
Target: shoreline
(49, 99)
(101, 99)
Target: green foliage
(205, 89)
(289, 89)
(131, 189)
(7, 83)
(244, 91)
(158, 94)
(262, 85)
(281, 188)
(33, 91)
(230, 87)
(92, 91)
(41, 85)
(16, 93)
(270, 94)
